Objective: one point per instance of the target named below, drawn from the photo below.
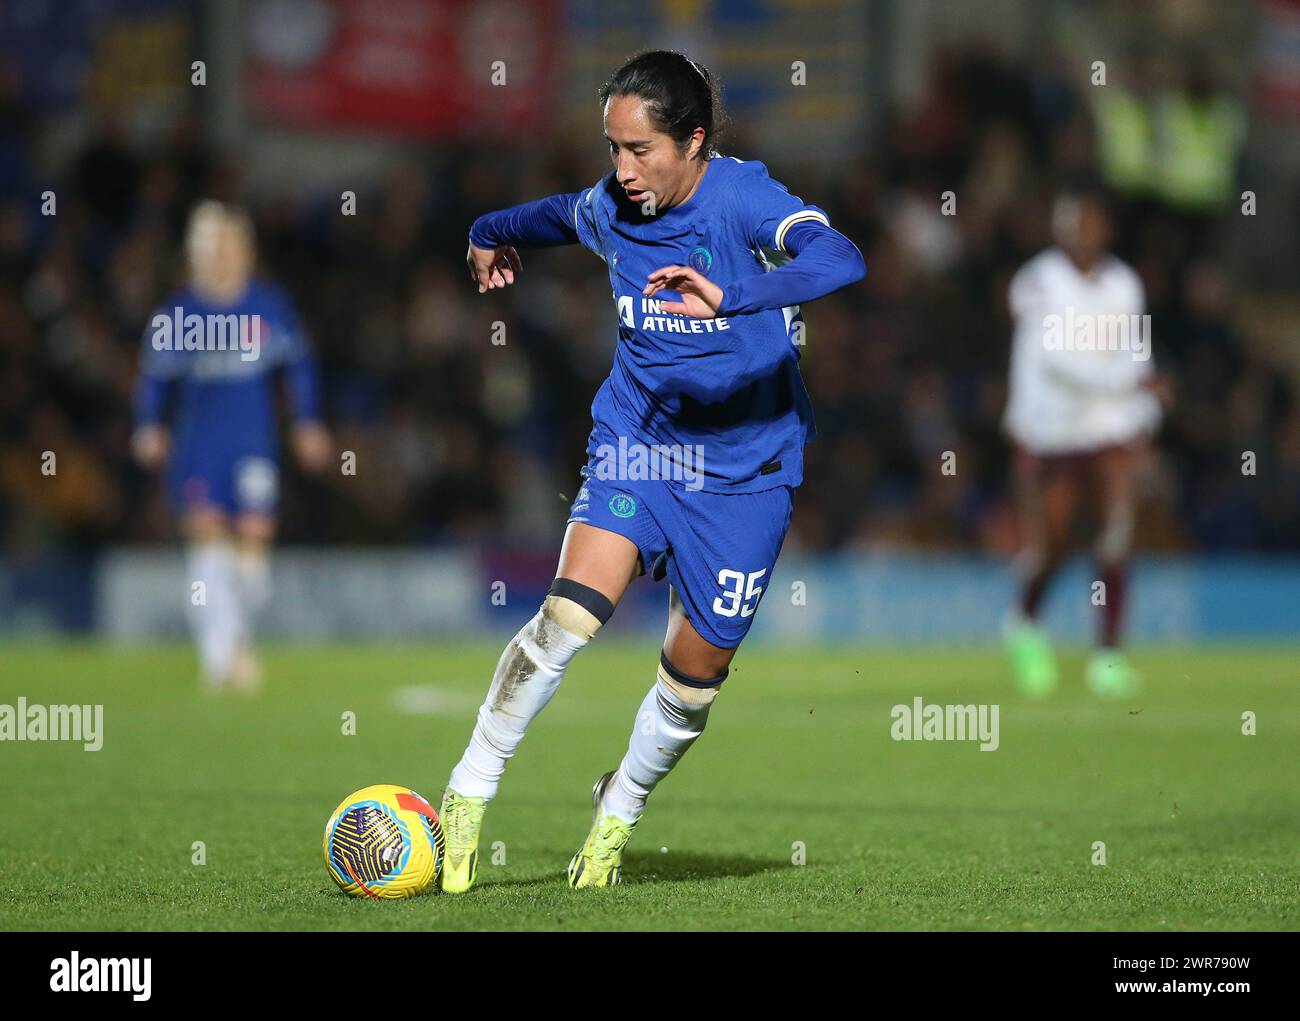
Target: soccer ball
(384, 842)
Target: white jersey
(1080, 354)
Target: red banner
(421, 67)
(1277, 66)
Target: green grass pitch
(1200, 822)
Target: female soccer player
(1081, 416)
(210, 356)
(697, 439)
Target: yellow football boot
(600, 862)
(462, 818)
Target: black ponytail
(680, 96)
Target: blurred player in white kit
(1083, 404)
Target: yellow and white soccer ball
(385, 842)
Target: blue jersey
(728, 387)
(723, 394)
(224, 400)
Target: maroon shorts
(1079, 466)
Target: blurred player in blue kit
(206, 406)
(709, 259)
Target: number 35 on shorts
(740, 593)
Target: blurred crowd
(460, 439)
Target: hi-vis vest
(1125, 140)
(1199, 141)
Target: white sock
(217, 621)
(527, 675)
(666, 726)
(254, 574)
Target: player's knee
(206, 526)
(254, 530)
(1116, 537)
(1031, 560)
(578, 609)
(691, 691)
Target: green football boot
(1032, 662)
(462, 818)
(1110, 676)
(600, 862)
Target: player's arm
(1118, 372)
(154, 389)
(769, 218)
(492, 258)
(312, 444)
(824, 261)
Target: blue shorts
(717, 549)
(236, 480)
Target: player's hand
(312, 446)
(151, 444)
(493, 267)
(1163, 389)
(701, 298)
